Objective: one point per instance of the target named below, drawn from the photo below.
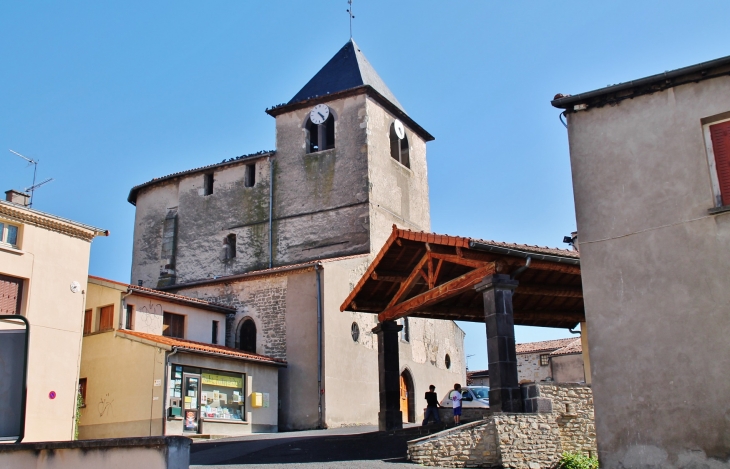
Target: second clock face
(319, 114)
(400, 131)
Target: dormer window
(399, 149)
(320, 129)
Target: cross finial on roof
(349, 12)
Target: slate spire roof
(346, 70)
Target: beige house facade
(650, 178)
(283, 237)
(152, 364)
(44, 264)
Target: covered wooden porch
(428, 275)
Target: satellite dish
(75, 287)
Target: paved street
(354, 447)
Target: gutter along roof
(200, 347)
(648, 85)
(133, 192)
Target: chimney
(574, 235)
(17, 197)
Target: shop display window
(222, 396)
(206, 394)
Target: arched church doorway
(407, 397)
(247, 337)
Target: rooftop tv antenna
(34, 186)
(349, 11)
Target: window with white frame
(9, 234)
(717, 141)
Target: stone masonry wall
(263, 300)
(519, 441)
(528, 441)
(529, 368)
(471, 445)
(573, 411)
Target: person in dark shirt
(432, 405)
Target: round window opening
(447, 361)
(355, 331)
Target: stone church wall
(351, 366)
(203, 221)
(398, 195)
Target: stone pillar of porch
(390, 417)
(504, 390)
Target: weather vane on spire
(349, 11)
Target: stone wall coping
(448, 431)
(563, 385)
(135, 442)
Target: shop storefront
(221, 394)
(199, 395)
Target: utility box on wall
(257, 399)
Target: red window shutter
(88, 317)
(11, 293)
(106, 318)
(720, 134)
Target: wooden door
(404, 398)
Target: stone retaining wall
(470, 445)
(563, 422)
(528, 441)
(572, 408)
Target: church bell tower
(349, 164)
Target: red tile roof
(191, 346)
(574, 347)
(550, 346)
(171, 296)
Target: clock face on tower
(319, 114)
(400, 131)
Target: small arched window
(247, 341)
(399, 149)
(321, 136)
(229, 245)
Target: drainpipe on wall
(317, 270)
(164, 391)
(271, 212)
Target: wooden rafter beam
(440, 293)
(386, 276)
(564, 292)
(407, 284)
(474, 264)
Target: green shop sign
(225, 381)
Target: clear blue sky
(109, 95)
